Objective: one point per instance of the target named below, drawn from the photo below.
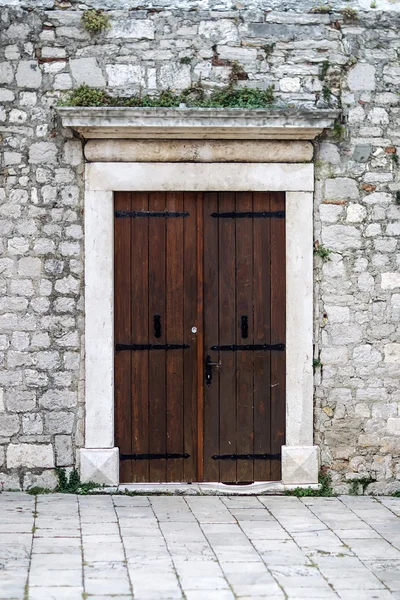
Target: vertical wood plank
(262, 335)
(189, 320)
(211, 337)
(140, 335)
(227, 333)
(244, 360)
(278, 332)
(174, 335)
(157, 375)
(122, 329)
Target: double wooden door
(199, 336)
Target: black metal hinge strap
(120, 347)
(246, 456)
(134, 214)
(278, 214)
(236, 347)
(152, 456)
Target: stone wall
(311, 58)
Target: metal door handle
(208, 369)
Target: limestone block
(300, 465)
(393, 229)
(54, 399)
(121, 75)
(378, 198)
(334, 356)
(30, 455)
(43, 152)
(19, 401)
(330, 213)
(6, 95)
(9, 425)
(87, 71)
(174, 76)
(28, 74)
(341, 237)
(361, 77)
(47, 479)
(221, 31)
(390, 281)
(32, 424)
(64, 450)
(338, 314)
(393, 426)
(59, 422)
(378, 116)
(392, 353)
(12, 158)
(6, 73)
(391, 74)
(367, 355)
(356, 115)
(366, 282)
(290, 84)
(356, 213)
(236, 53)
(100, 465)
(127, 28)
(72, 153)
(341, 188)
(329, 153)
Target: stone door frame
(99, 459)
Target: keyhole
(157, 326)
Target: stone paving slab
(61, 547)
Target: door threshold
(205, 489)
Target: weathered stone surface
(198, 151)
(64, 450)
(28, 74)
(30, 455)
(362, 77)
(132, 29)
(341, 237)
(43, 152)
(341, 188)
(390, 281)
(86, 71)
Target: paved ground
(61, 547)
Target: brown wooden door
(200, 279)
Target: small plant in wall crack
(349, 14)
(356, 484)
(316, 363)
(325, 490)
(322, 9)
(321, 251)
(95, 21)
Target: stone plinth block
(300, 465)
(100, 465)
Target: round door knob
(194, 329)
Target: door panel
(216, 262)
(159, 294)
(249, 384)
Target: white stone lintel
(195, 123)
(200, 177)
(300, 465)
(100, 465)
